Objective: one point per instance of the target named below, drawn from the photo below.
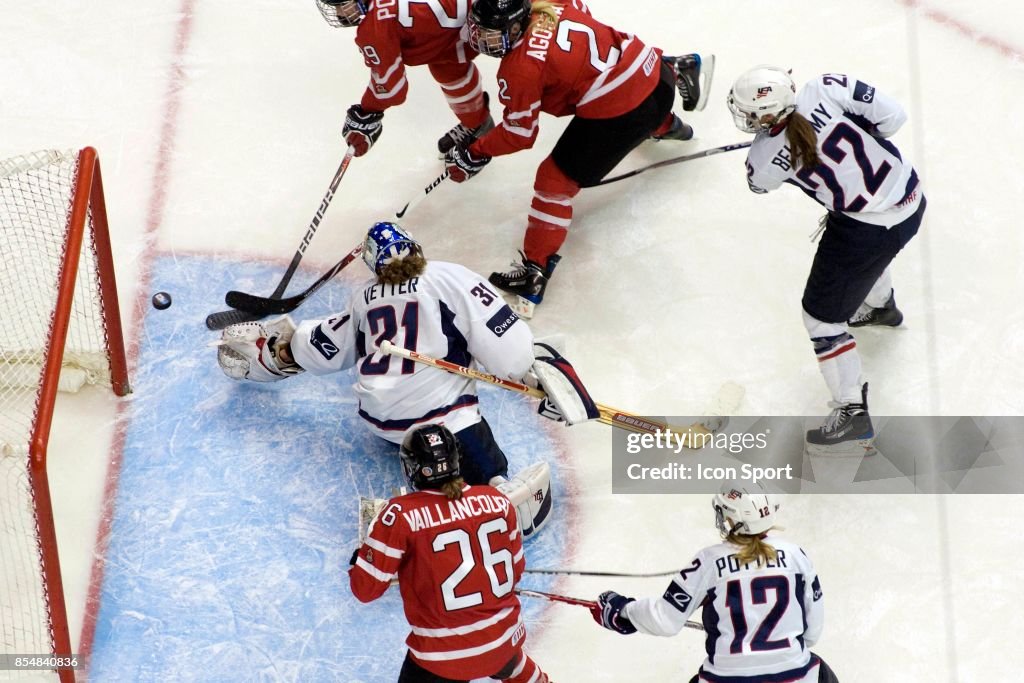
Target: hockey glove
(567, 399)
(253, 351)
(362, 128)
(608, 612)
(355, 556)
(462, 164)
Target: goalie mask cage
(60, 328)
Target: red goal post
(60, 329)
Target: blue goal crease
(236, 509)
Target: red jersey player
(557, 58)
(395, 33)
(458, 554)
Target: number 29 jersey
(457, 563)
(861, 173)
(759, 619)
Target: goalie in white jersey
(761, 600)
(831, 141)
(439, 309)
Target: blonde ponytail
(544, 12)
(453, 489)
(803, 141)
(752, 548)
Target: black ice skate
(678, 131)
(888, 315)
(527, 280)
(693, 79)
(846, 432)
(461, 134)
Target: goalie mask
(761, 91)
(343, 13)
(430, 457)
(387, 242)
(495, 25)
(744, 508)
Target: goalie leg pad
(567, 398)
(530, 493)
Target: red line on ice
(963, 28)
(154, 217)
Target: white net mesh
(36, 199)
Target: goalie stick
(220, 320)
(726, 402)
(676, 160)
(589, 604)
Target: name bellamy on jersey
(448, 511)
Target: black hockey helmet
(430, 457)
(343, 13)
(496, 25)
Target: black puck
(161, 301)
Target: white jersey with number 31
(860, 173)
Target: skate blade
(707, 72)
(848, 449)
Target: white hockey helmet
(744, 507)
(763, 90)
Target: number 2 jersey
(457, 563)
(861, 174)
(580, 67)
(448, 312)
(759, 620)
(399, 33)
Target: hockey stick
(220, 320)
(555, 597)
(259, 306)
(677, 160)
(426, 190)
(613, 575)
(589, 604)
(695, 433)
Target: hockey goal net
(60, 328)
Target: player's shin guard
(468, 101)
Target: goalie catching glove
(567, 399)
(255, 351)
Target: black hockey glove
(463, 164)
(355, 556)
(608, 612)
(362, 128)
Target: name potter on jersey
(446, 512)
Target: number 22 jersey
(861, 173)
